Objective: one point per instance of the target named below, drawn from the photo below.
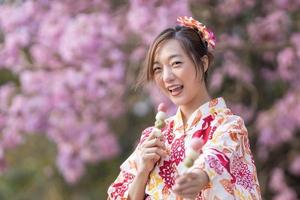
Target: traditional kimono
(226, 157)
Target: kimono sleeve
(227, 160)
(118, 190)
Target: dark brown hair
(191, 43)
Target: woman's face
(175, 75)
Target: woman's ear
(205, 62)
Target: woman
(177, 62)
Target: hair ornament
(207, 35)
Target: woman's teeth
(176, 90)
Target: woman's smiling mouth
(175, 90)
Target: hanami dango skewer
(160, 118)
(193, 152)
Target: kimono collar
(209, 108)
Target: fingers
(154, 142)
(156, 150)
(188, 185)
(151, 156)
(186, 177)
(184, 183)
(190, 192)
(152, 135)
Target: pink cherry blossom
(287, 63)
(295, 166)
(272, 28)
(234, 7)
(55, 48)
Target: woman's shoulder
(227, 119)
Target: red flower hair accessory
(207, 35)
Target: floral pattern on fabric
(215, 164)
(242, 173)
(177, 150)
(228, 186)
(167, 173)
(121, 187)
(169, 133)
(226, 157)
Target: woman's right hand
(150, 151)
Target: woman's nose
(168, 74)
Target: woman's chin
(178, 101)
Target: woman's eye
(156, 69)
(176, 63)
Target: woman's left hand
(190, 184)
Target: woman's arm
(149, 153)
(138, 185)
(136, 189)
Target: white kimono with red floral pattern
(226, 157)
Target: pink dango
(162, 107)
(196, 144)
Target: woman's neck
(187, 111)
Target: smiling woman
(178, 61)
